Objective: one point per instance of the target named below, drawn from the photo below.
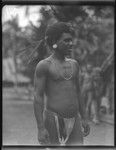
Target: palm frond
(29, 54)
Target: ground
(19, 125)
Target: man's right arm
(39, 89)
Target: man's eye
(68, 40)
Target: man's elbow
(38, 101)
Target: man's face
(64, 44)
(89, 68)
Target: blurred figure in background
(97, 85)
(107, 74)
(87, 89)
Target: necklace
(71, 74)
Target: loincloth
(64, 126)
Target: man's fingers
(45, 141)
(48, 139)
(47, 135)
(86, 130)
(43, 137)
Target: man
(87, 89)
(97, 86)
(57, 80)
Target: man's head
(89, 68)
(97, 80)
(59, 37)
(96, 73)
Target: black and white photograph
(59, 1)
(6, 148)
(57, 75)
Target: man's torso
(61, 90)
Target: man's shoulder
(43, 65)
(44, 62)
(73, 61)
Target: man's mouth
(70, 50)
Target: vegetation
(94, 41)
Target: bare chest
(64, 71)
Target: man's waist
(61, 114)
(50, 112)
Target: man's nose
(70, 43)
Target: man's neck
(59, 57)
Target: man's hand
(85, 128)
(43, 136)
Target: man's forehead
(66, 36)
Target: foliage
(68, 13)
(94, 27)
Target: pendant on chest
(62, 72)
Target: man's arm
(80, 97)
(85, 125)
(39, 89)
(40, 83)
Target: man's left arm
(80, 98)
(81, 103)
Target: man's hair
(55, 31)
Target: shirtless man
(57, 81)
(87, 90)
(97, 86)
